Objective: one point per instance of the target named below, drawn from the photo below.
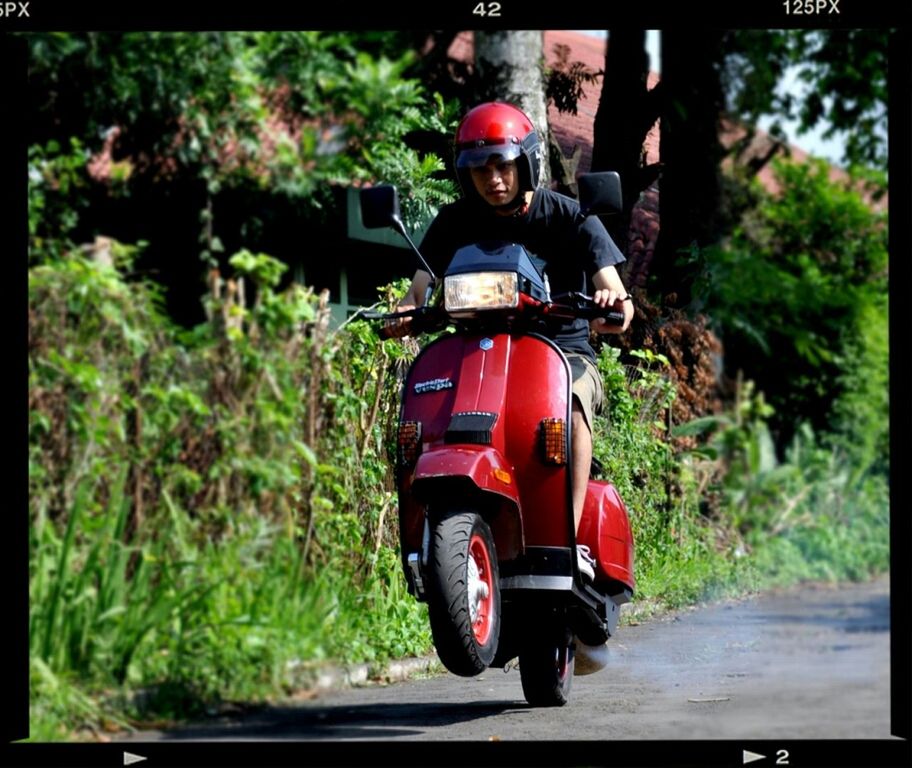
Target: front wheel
(464, 593)
(546, 667)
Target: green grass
(243, 619)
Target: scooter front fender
(454, 473)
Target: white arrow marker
(749, 757)
(130, 758)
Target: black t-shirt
(563, 244)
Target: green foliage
(851, 65)
(817, 514)
(630, 440)
(288, 112)
(799, 294)
(860, 427)
(258, 440)
(845, 74)
(149, 81)
(209, 510)
(845, 537)
(719, 511)
(56, 178)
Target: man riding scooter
(498, 162)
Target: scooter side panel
(605, 529)
(431, 386)
(539, 389)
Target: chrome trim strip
(527, 581)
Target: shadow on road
(358, 721)
(872, 615)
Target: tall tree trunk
(691, 155)
(626, 112)
(509, 66)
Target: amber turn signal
(553, 435)
(409, 442)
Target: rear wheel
(546, 667)
(464, 593)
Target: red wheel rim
(484, 602)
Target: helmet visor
(476, 157)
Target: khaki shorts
(587, 386)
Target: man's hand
(398, 327)
(417, 292)
(610, 292)
(611, 298)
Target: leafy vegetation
(844, 74)
(227, 124)
(800, 295)
(209, 509)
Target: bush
(799, 295)
(816, 514)
(208, 508)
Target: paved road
(808, 663)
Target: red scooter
(483, 468)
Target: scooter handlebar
(567, 306)
(424, 319)
(575, 304)
(610, 316)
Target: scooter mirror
(600, 193)
(379, 206)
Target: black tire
(465, 636)
(546, 668)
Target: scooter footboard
(542, 579)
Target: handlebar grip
(610, 316)
(613, 317)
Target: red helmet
(497, 129)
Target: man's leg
(582, 461)
(587, 396)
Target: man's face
(497, 181)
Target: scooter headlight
(480, 290)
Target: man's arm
(610, 292)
